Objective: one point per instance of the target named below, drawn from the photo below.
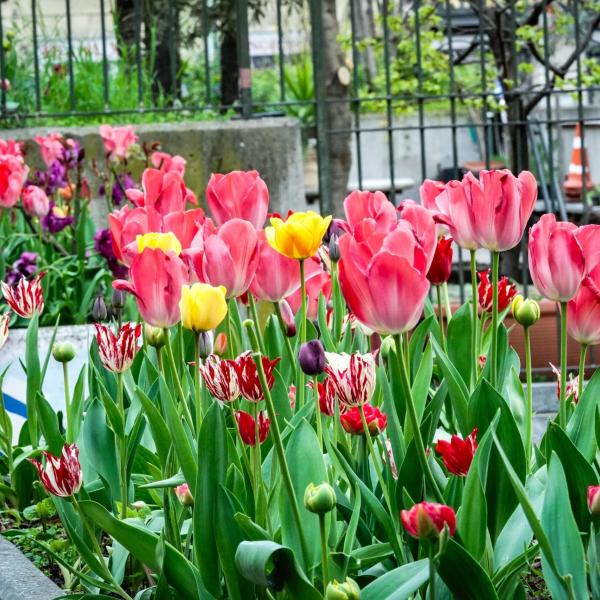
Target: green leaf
(49, 426)
(579, 427)
(160, 432)
(76, 417)
(417, 341)
(420, 390)
(181, 574)
(463, 575)
(268, 564)
(34, 380)
(560, 526)
(399, 583)
(212, 467)
(305, 463)
(459, 341)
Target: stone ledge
(20, 579)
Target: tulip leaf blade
(399, 583)
(272, 565)
(160, 431)
(459, 341)
(181, 574)
(580, 431)
(34, 378)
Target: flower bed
(289, 415)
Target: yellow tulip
(202, 306)
(162, 241)
(298, 237)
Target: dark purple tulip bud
(118, 299)
(312, 357)
(334, 249)
(99, 312)
(205, 344)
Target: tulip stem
(582, 355)
(122, 448)
(254, 313)
(197, 361)
(98, 551)
(286, 339)
(184, 406)
(318, 412)
(475, 321)
(529, 416)
(277, 443)
(494, 349)
(336, 293)
(243, 445)
(562, 414)
(441, 316)
(299, 373)
(324, 552)
(431, 594)
(414, 420)
(68, 418)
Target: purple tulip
(312, 357)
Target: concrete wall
(270, 145)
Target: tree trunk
(167, 59)
(125, 27)
(337, 113)
(229, 67)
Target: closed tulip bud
(526, 312)
(287, 317)
(345, 590)
(205, 344)
(312, 357)
(154, 336)
(319, 499)
(118, 299)
(99, 312)
(334, 249)
(184, 495)
(63, 352)
(594, 499)
(220, 344)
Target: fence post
(316, 18)
(244, 67)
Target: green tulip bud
(155, 336)
(346, 590)
(319, 499)
(63, 352)
(526, 312)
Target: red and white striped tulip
(220, 377)
(117, 351)
(352, 377)
(247, 426)
(4, 328)
(61, 475)
(248, 380)
(27, 297)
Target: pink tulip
(317, 281)
(51, 147)
(588, 237)
(384, 279)
(117, 140)
(583, 311)
(167, 163)
(125, 225)
(423, 226)
(229, 257)
(155, 279)
(361, 205)
(238, 194)
(35, 201)
(556, 260)
(12, 147)
(430, 194)
(276, 276)
(13, 173)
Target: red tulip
(238, 195)
(327, 397)
(556, 259)
(276, 275)
(26, 298)
(13, 173)
(441, 266)
(220, 377)
(506, 292)
(228, 257)
(62, 474)
(382, 277)
(248, 380)
(155, 279)
(457, 454)
(35, 201)
(593, 497)
(117, 140)
(317, 282)
(370, 205)
(352, 377)
(247, 427)
(427, 520)
(352, 422)
(118, 351)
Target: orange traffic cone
(573, 184)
